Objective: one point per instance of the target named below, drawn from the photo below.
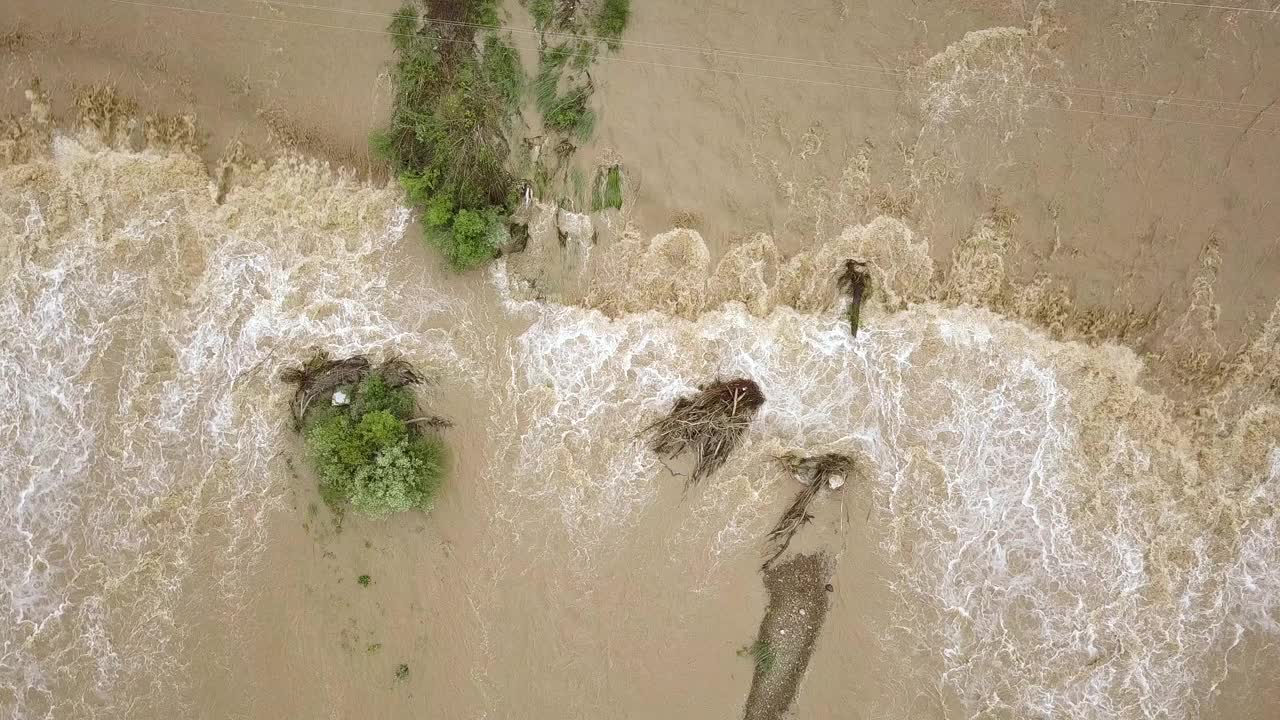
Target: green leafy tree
(367, 456)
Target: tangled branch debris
(853, 283)
(815, 472)
(710, 423)
(321, 376)
(831, 469)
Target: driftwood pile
(709, 423)
(321, 375)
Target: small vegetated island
(372, 448)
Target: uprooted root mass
(321, 375)
(710, 424)
(817, 471)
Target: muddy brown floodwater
(1064, 386)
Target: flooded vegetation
(370, 446)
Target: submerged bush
(607, 192)
(367, 450)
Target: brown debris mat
(321, 375)
(710, 423)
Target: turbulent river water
(1039, 534)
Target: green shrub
(375, 395)
(452, 108)
(400, 477)
(403, 24)
(607, 192)
(439, 211)
(472, 239)
(368, 457)
(483, 12)
(612, 20)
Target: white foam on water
(991, 77)
(141, 330)
(1069, 547)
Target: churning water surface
(1060, 542)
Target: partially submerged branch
(830, 470)
(853, 283)
(321, 376)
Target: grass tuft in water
(543, 12)
(853, 283)
(564, 111)
(611, 20)
(762, 655)
(607, 191)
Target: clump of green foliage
(611, 20)
(761, 654)
(369, 451)
(453, 105)
(402, 672)
(364, 580)
(607, 192)
(543, 12)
